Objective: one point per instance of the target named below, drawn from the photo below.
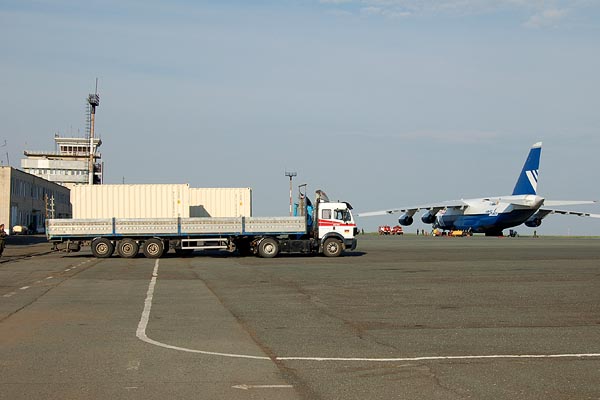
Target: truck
(384, 230)
(326, 228)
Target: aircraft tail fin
(527, 182)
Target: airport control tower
(76, 160)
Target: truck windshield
(343, 215)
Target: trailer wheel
(102, 248)
(153, 248)
(127, 248)
(332, 247)
(268, 248)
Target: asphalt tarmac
(401, 317)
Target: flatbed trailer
(332, 232)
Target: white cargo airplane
(490, 215)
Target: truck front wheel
(332, 247)
(153, 248)
(268, 248)
(102, 248)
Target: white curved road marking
(143, 324)
(141, 330)
(247, 387)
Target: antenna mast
(93, 101)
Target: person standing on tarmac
(2, 236)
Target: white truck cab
(336, 227)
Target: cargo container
(130, 201)
(220, 202)
(159, 201)
(327, 228)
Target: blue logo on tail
(527, 182)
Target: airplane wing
(543, 212)
(554, 203)
(414, 209)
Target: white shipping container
(131, 201)
(220, 202)
(159, 201)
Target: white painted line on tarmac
(133, 365)
(141, 330)
(42, 280)
(248, 387)
(143, 324)
(438, 358)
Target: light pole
(291, 175)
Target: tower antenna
(93, 101)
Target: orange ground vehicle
(454, 233)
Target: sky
(381, 103)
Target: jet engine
(428, 217)
(533, 222)
(405, 220)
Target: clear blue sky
(380, 103)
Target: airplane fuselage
(489, 215)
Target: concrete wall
(5, 196)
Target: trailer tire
(153, 248)
(127, 248)
(332, 247)
(102, 248)
(268, 248)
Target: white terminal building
(27, 200)
(69, 165)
